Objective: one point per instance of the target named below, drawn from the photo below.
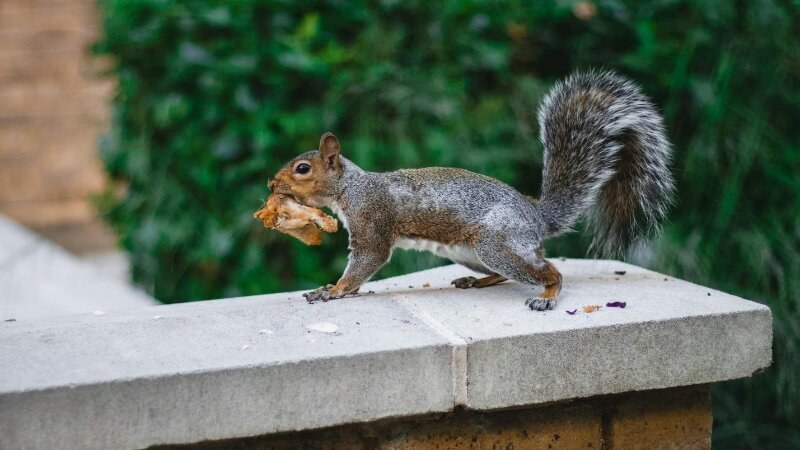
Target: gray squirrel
(605, 154)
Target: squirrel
(605, 154)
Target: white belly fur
(456, 253)
(339, 214)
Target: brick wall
(52, 109)
(675, 418)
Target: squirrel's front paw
(540, 303)
(322, 293)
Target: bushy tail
(605, 152)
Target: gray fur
(605, 151)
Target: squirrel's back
(466, 196)
(605, 152)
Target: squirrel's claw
(322, 293)
(540, 304)
(464, 282)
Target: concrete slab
(14, 240)
(215, 370)
(40, 279)
(112, 264)
(671, 333)
(250, 366)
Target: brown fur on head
(310, 177)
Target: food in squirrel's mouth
(284, 214)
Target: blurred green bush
(213, 96)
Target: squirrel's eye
(302, 168)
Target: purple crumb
(620, 272)
(616, 304)
(572, 313)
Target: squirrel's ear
(329, 150)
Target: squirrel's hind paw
(540, 304)
(320, 294)
(464, 282)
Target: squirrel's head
(311, 177)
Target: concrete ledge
(215, 370)
(40, 279)
(265, 364)
(671, 333)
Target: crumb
(616, 304)
(572, 313)
(426, 285)
(14, 320)
(410, 286)
(591, 308)
(616, 279)
(666, 279)
(619, 272)
(709, 294)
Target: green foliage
(214, 96)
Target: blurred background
(143, 133)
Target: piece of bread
(282, 213)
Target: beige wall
(52, 110)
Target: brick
(70, 16)
(662, 419)
(27, 74)
(80, 238)
(46, 213)
(557, 427)
(19, 78)
(32, 42)
(42, 6)
(68, 183)
(31, 185)
(19, 182)
(66, 57)
(92, 100)
(37, 136)
(562, 426)
(667, 419)
(51, 159)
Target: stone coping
(273, 363)
(40, 279)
